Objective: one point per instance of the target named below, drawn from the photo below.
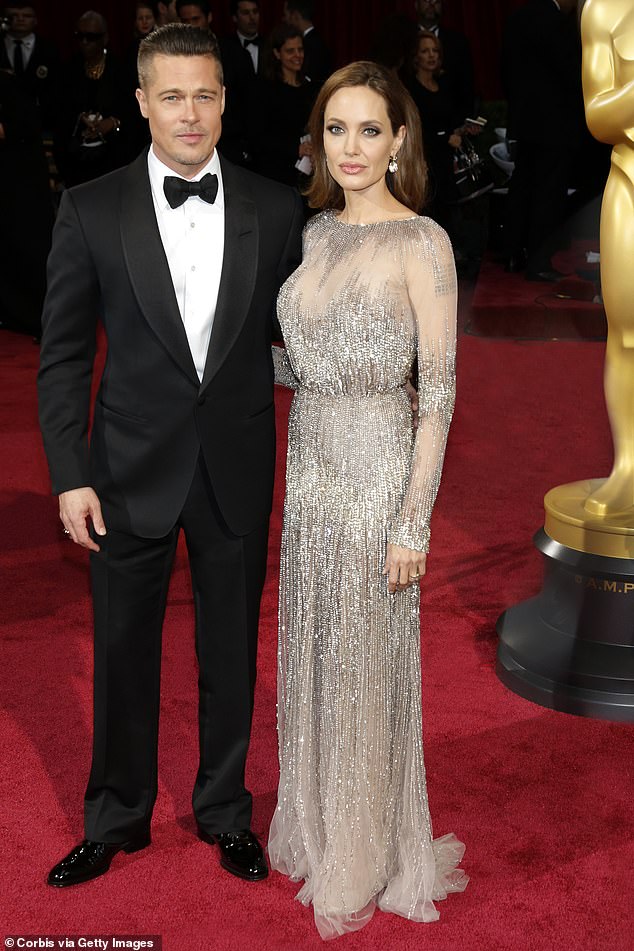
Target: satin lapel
(239, 270)
(148, 268)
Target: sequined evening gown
(352, 818)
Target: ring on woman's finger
(414, 577)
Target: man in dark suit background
(317, 57)
(26, 212)
(33, 61)
(196, 13)
(181, 255)
(241, 50)
(541, 66)
(242, 63)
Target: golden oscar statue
(572, 647)
(598, 515)
(608, 88)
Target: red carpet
(507, 305)
(543, 800)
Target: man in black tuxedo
(457, 60)
(317, 56)
(180, 255)
(33, 61)
(242, 63)
(541, 62)
(241, 50)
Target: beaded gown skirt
(352, 819)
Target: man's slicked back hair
(176, 39)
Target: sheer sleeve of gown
(433, 295)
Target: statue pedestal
(571, 648)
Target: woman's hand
(403, 567)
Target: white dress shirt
(28, 42)
(252, 49)
(193, 237)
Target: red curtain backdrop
(347, 25)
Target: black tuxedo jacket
(238, 121)
(458, 67)
(152, 415)
(317, 58)
(236, 60)
(541, 70)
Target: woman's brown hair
(409, 183)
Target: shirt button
(193, 267)
(192, 224)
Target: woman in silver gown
(376, 287)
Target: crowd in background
(86, 109)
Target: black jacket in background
(541, 71)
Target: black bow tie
(178, 190)
(253, 42)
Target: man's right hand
(75, 506)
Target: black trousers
(130, 578)
(537, 201)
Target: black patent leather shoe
(240, 853)
(89, 860)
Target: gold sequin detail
(352, 818)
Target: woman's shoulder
(316, 228)
(426, 228)
(425, 238)
(319, 225)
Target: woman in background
(283, 102)
(440, 121)
(376, 288)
